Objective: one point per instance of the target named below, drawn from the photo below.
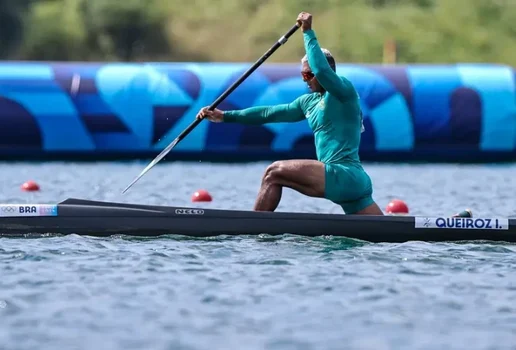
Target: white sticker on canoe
(462, 223)
(11, 210)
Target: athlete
(333, 113)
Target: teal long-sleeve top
(334, 116)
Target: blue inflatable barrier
(464, 112)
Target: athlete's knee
(274, 173)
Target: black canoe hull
(102, 219)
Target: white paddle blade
(151, 164)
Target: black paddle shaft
(244, 76)
(181, 136)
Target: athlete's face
(310, 78)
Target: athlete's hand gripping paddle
(221, 98)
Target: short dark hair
(328, 56)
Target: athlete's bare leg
(305, 176)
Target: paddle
(221, 98)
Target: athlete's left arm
(319, 65)
(257, 115)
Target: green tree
(54, 31)
(12, 13)
(126, 30)
(425, 31)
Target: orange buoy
(30, 186)
(201, 196)
(397, 206)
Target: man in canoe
(333, 113)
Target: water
(263, 292)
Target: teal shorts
(349, 186)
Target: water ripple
(263, 292)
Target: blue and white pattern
(465, 111)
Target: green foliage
(12, 13)
(54, 31)
(425, 31)
(125, 29)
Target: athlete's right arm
(282, 113)
(328, 78)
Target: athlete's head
(308, 75)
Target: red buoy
(30, 186)
(397, 206)
(201, 196)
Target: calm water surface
(245, 292)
